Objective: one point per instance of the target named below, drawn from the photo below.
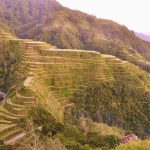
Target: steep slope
(143, 36)
(20, 99)
(57, 78)
(48, 21)
(9, 58)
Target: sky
(135, 14)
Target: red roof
(129, 138)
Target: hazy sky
(135, 14)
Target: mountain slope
(48, 21)
(143, 36)
(74, 86)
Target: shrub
(112, 141)
(1, 142)
(72, 132)
(43, 118)
(4, 147)
(72, 138)
(96, 140)
(9, 60)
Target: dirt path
(13, 140)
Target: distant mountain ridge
(143, 36)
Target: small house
(129, 138)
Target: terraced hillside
(52, 76)
(5, 35)
(80, 30)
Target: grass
(26, 92)
(64, 92)
(140, 145)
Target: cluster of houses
(129, 138)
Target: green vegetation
(43, 118)
(10, 58)
(69, 135)
(116, 104)
(95, 140)
(26, 91)
(74, 139)
(64, 92)
(141, 145)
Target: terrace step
(5, 127)
(8, 117)
(5, 122)
(9, 102)
(23, 103)
(11, 140)
(24, 97)
(6, 112)
(15, 110)
(11, 134)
